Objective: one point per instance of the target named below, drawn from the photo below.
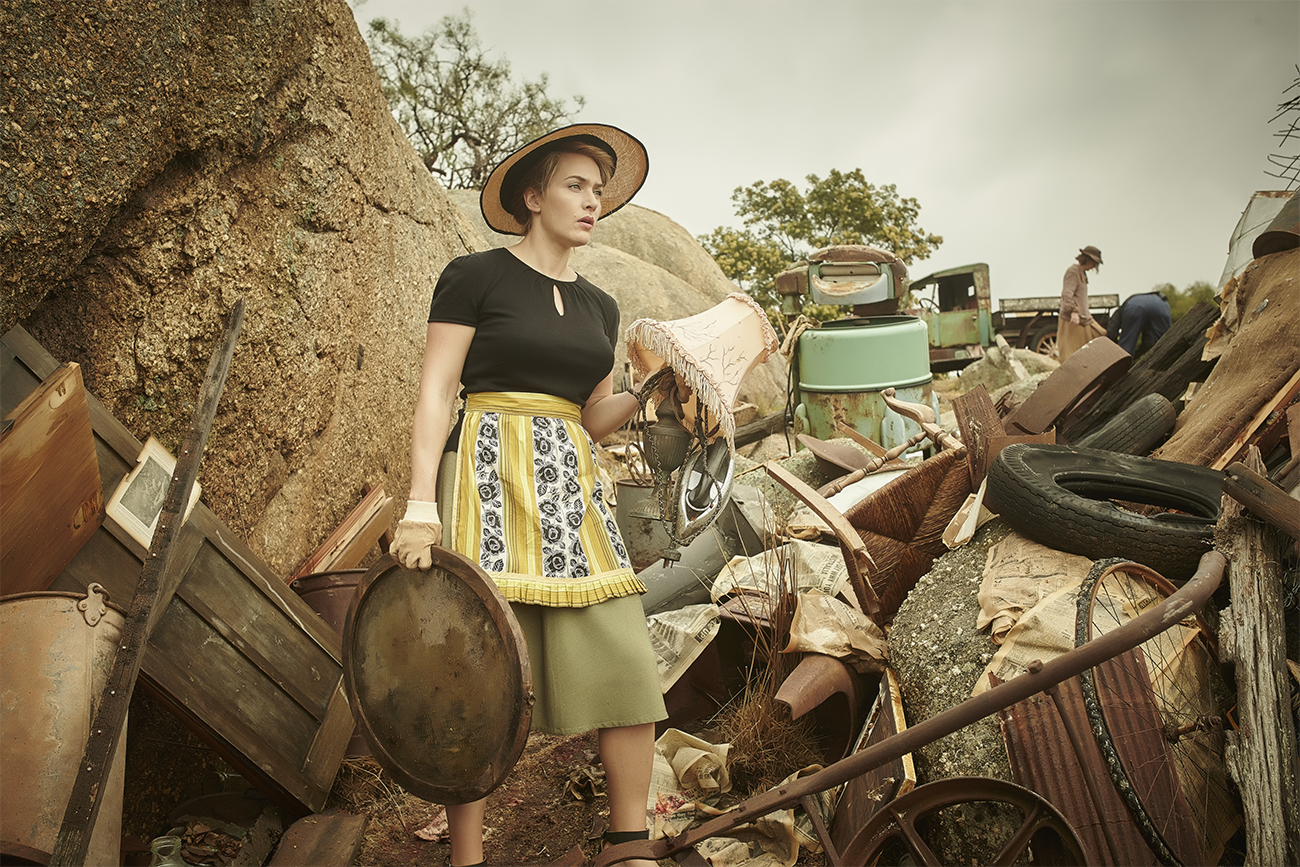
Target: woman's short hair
(540, 174)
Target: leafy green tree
(1182, 300)
(784, 225)
(461, 109)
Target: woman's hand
(416, 534)
(1074, 318)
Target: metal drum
(329, 594)
(844, 365)
(437, 673)
(56, 652)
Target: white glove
(418, 531)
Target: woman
(1075, 326)
(533, 344)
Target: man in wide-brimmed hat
(1076, 325)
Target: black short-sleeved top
(521, 342)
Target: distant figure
(1075, 326)
(1145, 315)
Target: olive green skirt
(592, 667)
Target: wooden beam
(151, 597)
(1284, 396)
(1261, 753)
(352, 539)
(328, 838)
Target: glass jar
(166, 852)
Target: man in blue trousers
(1145, 315)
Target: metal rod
(148, 603)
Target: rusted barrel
(329, 594)
(56, 651)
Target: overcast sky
(1025, 130)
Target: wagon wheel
(1156, 717)
(897, 829)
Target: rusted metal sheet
(1083, 375)
(862, 797)
(437, 671)
(1046, 759)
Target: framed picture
(138, 500)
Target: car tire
(1137, 430)
(1061, 497)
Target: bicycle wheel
(1156, 716)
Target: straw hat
(631, 163)
(1092, 253)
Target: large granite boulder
(163, 159)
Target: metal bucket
(329, 594)
(644, 538)
(56, 652)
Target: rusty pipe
(1182, 604)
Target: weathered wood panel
(237, 655)
(326, 839)
(51, 500)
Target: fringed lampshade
(710, 353)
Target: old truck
(956, 304)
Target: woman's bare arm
(606, 411)
(445, 348)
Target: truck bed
(1053, 303)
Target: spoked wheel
(1157, 721)
(898, 833)
(1043, 341)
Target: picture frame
(137, 502)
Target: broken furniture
(236, 655)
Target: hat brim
(631, 165)
(1096, 257)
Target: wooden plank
(1284, 396)
(1261, 753)
(977, 420)
(327, 838)
(51, 499)
(185, 672)
(1264, 499)
(348, 545)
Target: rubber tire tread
(1060, 496)
(1142, 426)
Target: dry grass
(766, 745)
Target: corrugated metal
(1044, 759)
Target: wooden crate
(236, 654)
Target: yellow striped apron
(529, 506)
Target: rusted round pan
(438, 677)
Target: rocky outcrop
(160, 159)
(171, 157)
(655, 270)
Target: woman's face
(569, 206)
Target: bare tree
(460, 108)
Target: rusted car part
(1282, 233)
(1061, 497)
(1163, 743)
(1263, 498)
(150, 601)
(1070, 387)
(1159, 617)
(1043, 833)
(438, 676)
(890, 538)
(862, 797)
(1052, 752)
(56, 650)
(835, 694)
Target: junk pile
(1061, 627)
